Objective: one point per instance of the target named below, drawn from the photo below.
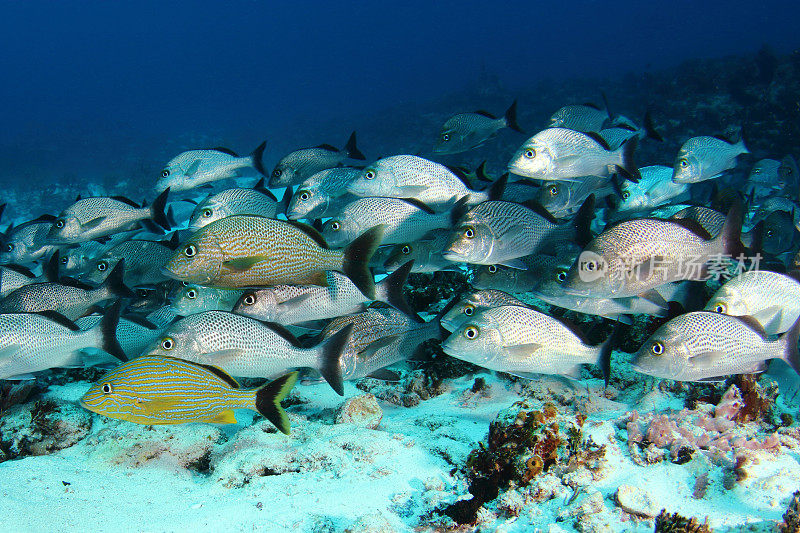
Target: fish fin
(650, 128)
(157, 210)
(257, 158)
(566, 161)
(115, 282)
(486, 114)
(655, 297)
(498, 187)
(769, 317)
(57, 317)
(511, 117)
(390, 290)
(628, 168)
(384, 374)
(517, 264)
(240, 264)
(604, 357)
(194, 166)
(19, 377)
(8, 351)
(377, 344)
(524, 375)
(352, 150)
(412, 191)
(311, 231)
(26, 271)
(731, 233)
(93, 223)
(225, 417)
(157, 405)
(328, 147)
(108, 331)
(268, 400)
(50, 269)
(331, 358)
(540, 210)
(583, 221)
(522, 351)
(222, 357)
(791, 354)
(596, 137)
(125, 200)
(357, 256)
(573, 373)
(481, 173)
(224, 151)
(706, 359)
(283, 207)
(459, 209)
(422, 206)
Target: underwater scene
(429, 266)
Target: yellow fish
(248, 251)
(154, 389)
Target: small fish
(635, 256)
(410, 176)
(26, 243)
(144, 260)
(245, 347)
(79, 259)
(302, 164)
(764, 173)
(133, 333)
(473, 302)
(788, 174)
(295, 304)
(466, 131)
(31, 342)
(163, 390)
(583, 117)
(705, 158)
(404, 220)
(194, 168)
(70, 299)
(193, 299)
(99, 217)
(239, 201)
(564, 154)
(562, 199)
(771, 298)
(622, 129)
(499, 233)
(521, 341)
(704, 345)
(653, 190)
(510, 279)
(323, 194)
(247, 251)
(427, 253)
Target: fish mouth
(453, 256)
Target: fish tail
(583, 221)
(157, 212)
(731, 235)
(390, 289)
(115, 283)
(331, 358)
(357, 256)
(257, 157)
(283, 206)
(604, 356)
(511, 117)
(791, 354)
(268, 400)
(650, 128)
(498, 187)
(352, 150)
(628, 166)
(108, 331)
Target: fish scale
(26, 243)
(326, 191)
(579, 117)
(474, 302)
(237, 201)
(704, 158)
(143, 262)
(193, 168)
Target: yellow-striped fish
(248, 251)
(154, 389)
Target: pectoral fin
(522, 351)
(192, 168)
(222, 357)
(376, 345)
(91, 224)
(769, 318)
(225, 417)
(412, 191)
(514, 263)
(240, 264)
(8, 351)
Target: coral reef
(41, 427)
(362, 411)
(791, 518)
(675, 523)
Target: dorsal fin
(217, 371)
(573, 328)
(173, 241)
(592, 105)
(540, 210)
(625, 127)
(261, 187)
(19, 269)
(284, 333)
(74, 283)
(125, 200)
(422, 206)
(753, 324)
(328, 147)
(596, 137)
(224, 150)
(693, 226)
(311, 232)
(59, 318)
(44, 218)
(485, 114)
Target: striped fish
(154, 389)
(251, 251)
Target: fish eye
(277, 173)
(304, 196)
(445, 137)
(553, 190)
(492, 269)
(769, 233)
(164, 173)
(562, 275)
(684, 163)
(406, 249)
(249, 299)
(657, 348)
(63, 260)
(207, 213)
(756, 170)
(59, 224)
(530, 153)
(469, 233)
(102, 266)
(335, 225)
(625, 195)
(469, 309)
(142, 293)
(369, 174)
(9, 247)
(721, 308)
(471, 332)
(167, 343)
(190, 250)
(106, 388)
(191, 294)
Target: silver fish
(238, 201)
(426, 252)
(194, 168)
(323, 194)
(764, 173)
(242, 346)
(404, 220)
(80, 259)
(302, 164)
(622, 129)
(499, 233)
(466, 131)
(471, 303)
(564, 154)
(26, 243)
(654, 189)
(562, 199)
(13, 277)
(193, 299)
(133, 334)
(509, 279)
(99, 217)
(771, 298)
(144, 260)
(583, 117)
(704, 345)
(705, 158)
(521, 341)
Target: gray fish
(13, 277)
(704, 345)
(499, 233)
(245, 347)
(31, 342)
(239, 201)
(194, 168)
(705, 158)
(295, 304)
(583, 117)
(404, 220)
(410, 176)
(764, 173)
(788, 174)
(654, 189)
(622, 129)
(80, 259)
(71, 300)
(510, 279)
(564, 154)
(144, 260)
(471, 303)
(302, 164)
(193, 299)
(521, 341)
(771, 298)
(323, 194)
(562, 199)
(635, 256)
(427, 253)
(133, 334)
(99, 217)
(466, 131)
(26, 243)
(712, 221)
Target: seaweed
(675, 523)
